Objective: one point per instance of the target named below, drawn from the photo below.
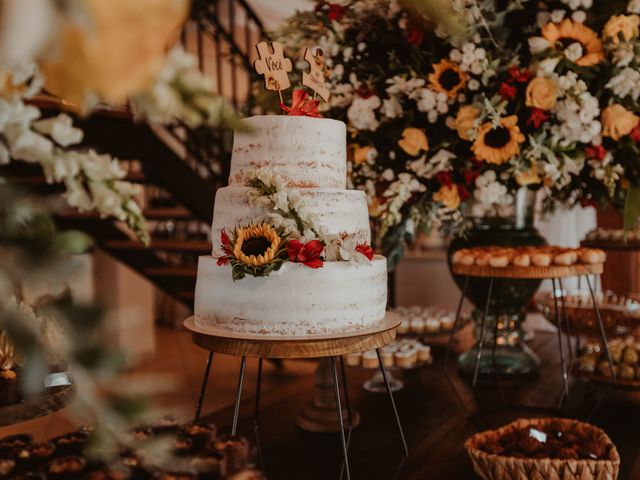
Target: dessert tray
(625, 353)
(612, 239)
(544, 448)
(527, 262)
(620, 313)
(402, 354)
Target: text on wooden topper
(315, 78)
(274, 66)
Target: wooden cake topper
(318, 73)
(274, 66)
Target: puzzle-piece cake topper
(274, 66)
(317, 74)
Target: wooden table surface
(435, 424)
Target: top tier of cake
(304, 152)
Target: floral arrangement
(288, 234)
(445, 127)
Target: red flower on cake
(596, 152)
(366, 250)
(302, 105)
(308, 253)
(336, 11)
(521, 76)
(225, 242)
(635, 134)
(414, 33)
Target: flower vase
(504, 350)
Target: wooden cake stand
(331, 347)
(555, 273)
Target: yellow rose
(617, 121)
(542, 93)
(116, 51)
(413, 141)
(625, 25)
(448, 196)
(360, 154)
(465, 122)
(528, 177)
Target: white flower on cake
(627, 82)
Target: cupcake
(7, 467)
(207, 467)
(65, 468)
(353, 359)
(14, 441)
(432, 325)
(182, 446)
(165, 424)
(70, 444)
(247, 474)
(236, 453)
(447, 322)
(370, 359)
(199, 433)
(109, 473)
(406, 358)
(403, 328)
(9, 387)
(417, 326)
(424, 353)
(386, 355)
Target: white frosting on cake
(296, 300)
(309, 156)
(305, 152)
(342, 212)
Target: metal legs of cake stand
(346, 440)
(236, 410)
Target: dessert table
(435, 424)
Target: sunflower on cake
(294, 255)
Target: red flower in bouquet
(302, 105)
(414, 34)
(444, 178)
(308, 253)
(366, 250)
(225, 241)
(635, 134)
(507, 90)
(336, 11)
(537, 117)
(520, 76)
(596, 151)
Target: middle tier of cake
(342, 212)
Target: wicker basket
(497, 467)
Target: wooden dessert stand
(555, 273)
(331, 347)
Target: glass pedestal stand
(376, 384)
(504, 351)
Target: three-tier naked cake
(294, 256)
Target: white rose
(573, 52)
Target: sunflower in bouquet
(444, 127)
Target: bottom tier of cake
(294, 301)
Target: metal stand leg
(203, 388)
(339, 407)
(483, 322)
(605, 346)
(256, 416)
(345, 389)
(563, 363)
(494, 360)
(567, 325)
(447, 355)
(393, 403)
(236, 411)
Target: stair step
(175, 272)
(199, 246)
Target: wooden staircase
(179, 168)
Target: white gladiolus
(538, 44)
(574, 52)
(361, 113)
(60, 129)
(627, 82)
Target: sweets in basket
(542, 449)
(527, 256)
